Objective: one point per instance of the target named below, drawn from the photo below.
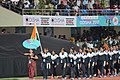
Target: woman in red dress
(32, 63)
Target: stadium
(59, 39)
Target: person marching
(54, 58)
(79, 55)
(75, 65)
(70, 58)
(84, 64)
(118, 58)
(31, 63)
(106, 62)
(96, 52)
(115, 59)
(101, 62)
(63, 61)
(46, 65)
(91, 63)
(110, 62)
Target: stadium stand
(94, 35)
(60, 7)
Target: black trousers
(75, 69)
(95, 70)
(46, 69)
(111, 67)
(84, 69)
(90, 69)
(63, 68)
(101, 67)
(53, 69)
(118, 66)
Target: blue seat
(84, 11)
(109, 11)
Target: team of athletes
(82, 64)
(85, 63)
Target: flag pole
(38, 38)
(40, 43)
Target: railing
(62, 12)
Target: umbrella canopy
(31, 44)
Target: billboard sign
(89, 21)
(49, 21)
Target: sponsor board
(49, 21)
(89, 21)
(70, 21)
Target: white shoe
(83, 78)
(105, 76)
(88, 78)
(100, 76)
(79, 78)
(115, 74)
(94, 75)
(111, 75)
(63, 79)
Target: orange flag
(34, 32)
(35, 35)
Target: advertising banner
(49, 21)
(91, 21)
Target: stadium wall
(56, 30)
(9, 18)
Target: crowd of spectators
(96, 36)
(59, 4)
(61, 7)
(71, 7)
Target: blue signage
(89, 21)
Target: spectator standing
(76, 9)
(64, 2)
(67, 10)
(97, 4)
(85, 4)
(71, 2)
(36, 4)
(61, 7)
(20, 4)
(54, 2)
(90, 4)
(78, 3)
(26, 4)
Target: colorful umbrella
(31, 44)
